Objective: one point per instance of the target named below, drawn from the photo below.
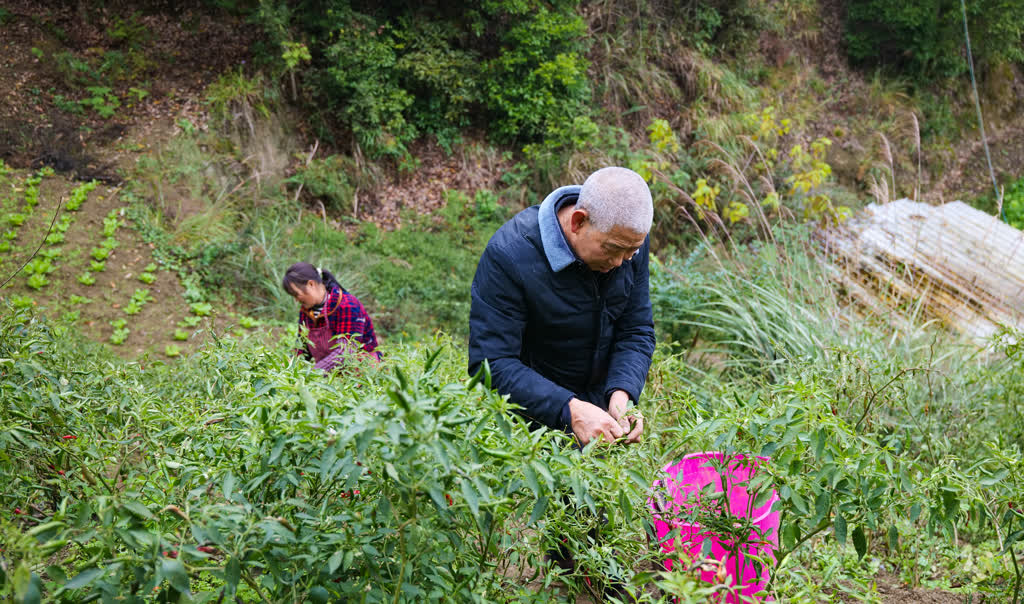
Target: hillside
(164, 162)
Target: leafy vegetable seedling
(38, 281)
(201, 309)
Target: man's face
(603, 252)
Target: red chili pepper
(61, 472)
(356, 491)
(449, 498)
(206, 549)
(69, 437)
(18, 512)
(171, 554)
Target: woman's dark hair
(301, 273)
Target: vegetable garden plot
(961, 265)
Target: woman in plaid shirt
(335, 321)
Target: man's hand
(618, 408)
(590, 421)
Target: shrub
(925, 38)
(389, 76)
(328, 179)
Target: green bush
(328, 179)
(422, 272)
(925, 38)
(1013, 204)
(389, 76)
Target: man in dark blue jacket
(561, 309)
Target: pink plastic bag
(679, 491)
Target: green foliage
(119, 335)
(79, 195)
(421, 272)
(67, 105)
(172, 350)
(542, 84)
(380, 485)
(62, 225)
(1013, 204)
(388, 76)
(87, 278)
(201, 309)
(328, 179)
(191, 321)
(100, 71)
(677, 291)
(41, 266)
(102, 100)
(236, 92)
(130, 31)
(138, 300)
(925, 38)
(22, 302)
(723, 25)
(37, 281)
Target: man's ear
(577, 219)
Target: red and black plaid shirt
(345, 315)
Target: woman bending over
(335, 320)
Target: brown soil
(151, 329)
(167, 63)
(893, 591)
(467, 169)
